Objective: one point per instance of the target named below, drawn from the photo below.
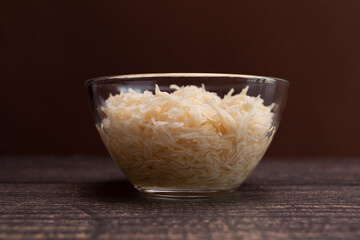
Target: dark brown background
(49, 48)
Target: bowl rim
(262, 79)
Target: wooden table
(88, 198)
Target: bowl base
(183, 193)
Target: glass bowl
(187, 134)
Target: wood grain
(88, 198)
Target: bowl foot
(183, 193)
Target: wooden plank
(255, 211)
(87, 198)
(94, 169)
